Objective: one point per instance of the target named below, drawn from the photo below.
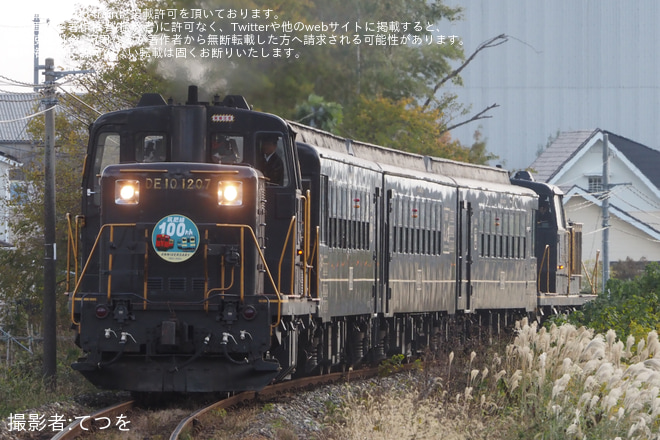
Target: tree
(21, 276)
(118, 80)
(478, 153)
(369, 51)
(398, 124)
(628, 269)
(316, 112)
(352, 52)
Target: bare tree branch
(493, 42)
(476, 117)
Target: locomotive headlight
(230, 193)
(127, 192)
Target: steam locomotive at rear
(221, 249)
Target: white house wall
(625, 240)
(630, 193)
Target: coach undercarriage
(348, 342)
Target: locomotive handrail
(263, 260)
(315, 255)
(72, 249)
(309, 255)
(306, 223)
(89, 258)
(145, 289)
(292, 226)
(111, 226)
(70, 243)
(223, 288)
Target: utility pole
(50, 246)
(50, 310)
(606, 210)
(36, 52)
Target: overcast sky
(17, 37)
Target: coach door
(382, 251)
(464, 257)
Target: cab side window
(271, 158)
(106, 153)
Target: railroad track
(85, 427)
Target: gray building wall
(569, 65)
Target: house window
(595, 184)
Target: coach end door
(464, 257)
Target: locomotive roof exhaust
(192, 95)
(233, 101)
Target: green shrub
(630, 307)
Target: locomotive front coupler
(121, 311)
(194, 357)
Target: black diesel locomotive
(203, 266)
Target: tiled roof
(551, 160)
(14, 107)
(567, 144)
(647, 160)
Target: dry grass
(561, 383)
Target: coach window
(437, 226)
(396, 228)
(423, 231)
(512, 235)
(332, 218)
(523, 234)
(498, 235)
(482, 237)
(487, 233)
(399, 226)
(407, 227)
(515, 227)
(107, 153)
(509, 236)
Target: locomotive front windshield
(269, 154)
(227, 149)
(265, 151)
(153, 148)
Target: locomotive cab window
(544, 213)
(152, 148)
(227, 149)
(559, 210)
(272, 158)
